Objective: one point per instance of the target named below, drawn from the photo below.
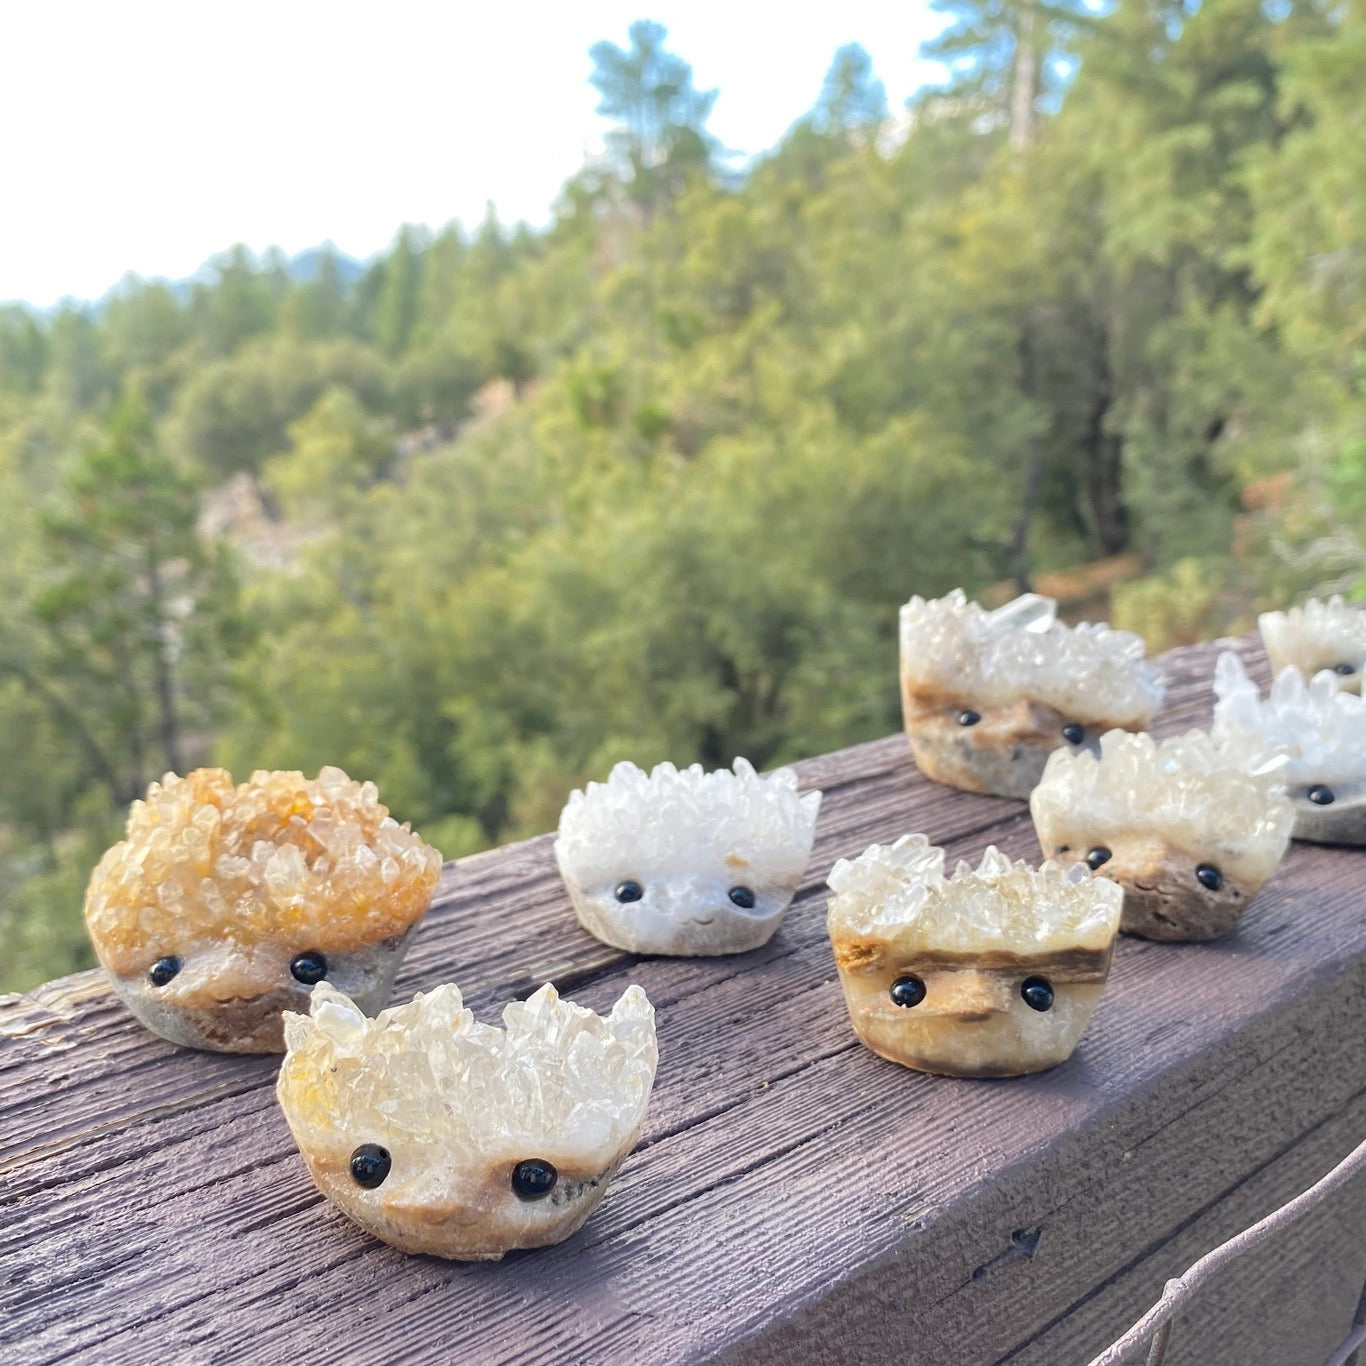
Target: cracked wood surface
(793, 1197)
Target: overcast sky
(146, 136)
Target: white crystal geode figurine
(686, 863)
(992, 972)
(1322, 732)
(441, 1135)
(988, 696)
(225, 904)
(1320, 635)
(1191, 828)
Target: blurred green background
(506, 506)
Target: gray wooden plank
(782, 1171)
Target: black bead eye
(1037, 993)
(1346, 670)
(1207, 875)
(742, 897)
(629, 891)
(968, 717)
(1100, 854)
(370, 1165)
(309, 967)
(162, 971)
(907, 992)
(1320, 795)
(1073, 733)
(533, 1179)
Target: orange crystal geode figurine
(225, 904)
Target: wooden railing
(793, 1198)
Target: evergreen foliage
(651, 483)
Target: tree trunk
(1105, 460)
(1017, 551)
(96, 760)
(1024, 80)
(168, 721)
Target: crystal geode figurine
(224, 905)
(1191, 828)
(1320, 635)
(1322, 732)
(992, 972)
(988, 696)
(441, 1135)
(686, 863)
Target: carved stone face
(1168, 894)
(715, 910)
(1000, 750)
(231, 998)
(971, 1016)
(1347, 672)
(468, 1213)
(1341, 820)
(688, 862)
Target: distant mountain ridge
(302, 268)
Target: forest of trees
(651, 483)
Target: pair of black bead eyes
(308, 968)
(628, 892)
(1073, 733)
(1036, 992)
(533, 1179)
(1206, 874)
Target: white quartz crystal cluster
(683, 861)
(1222, 800)
(898, 893)
(558, 1078)
(673, 821)
(1089, 672)
(1320, 729)
(1320, 635)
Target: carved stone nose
(969, 997)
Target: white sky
(146, 136)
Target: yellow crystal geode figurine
(441, 1135)
(992, 972)
(1320, 635)
(988, 696)
(1191, 828)
(225, 904)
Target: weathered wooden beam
(793, 1197)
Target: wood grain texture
(793, 1197)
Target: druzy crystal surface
(899, 894)
(465, 1111)
(1151, 815)
(714, 857)
(1320, 729)
(230, 885)
(1087, 672)
(1320, 635)
(987, 696)
(970, 952)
